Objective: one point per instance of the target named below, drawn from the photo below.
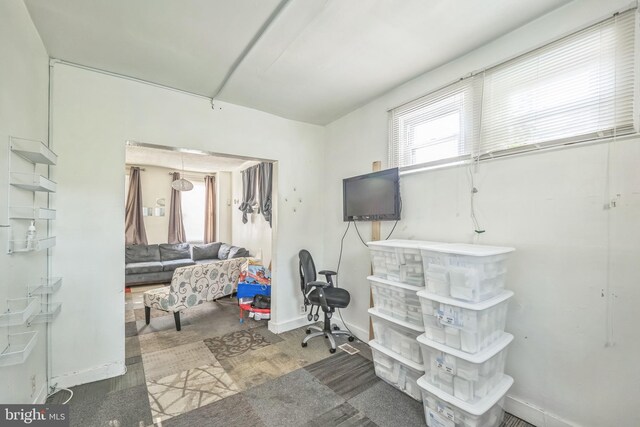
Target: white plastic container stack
(398, 260)
(398, 300)
(468, 377)
(398, 336)
(470, 327)
(397, 370)
(443, 410)
(466, 272)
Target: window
(440, 126)
(193, 211)
(579, 88)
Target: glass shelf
(49, 312)
(31, 213)
(33, 151)
(32, 182)
(47, 286)
(18, 311)
(19, 246)
(19, 348)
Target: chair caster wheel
(308, 331)
(315, 317)
(304, 344)
(351, 339)
(332, 350)
(309, 317)
(336, 328)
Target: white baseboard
(534, 415)
(97, 373)
(41, 397)
(361, 334)
(297, 322)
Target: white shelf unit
(47, 286)
(33, 151)
(47, 314)
(31, 213)
(32, 182)
(18, 311)
(19, 348)
(18, 246)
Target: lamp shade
(182, 185)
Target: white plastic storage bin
(466, 272)
(398, 260)
(469, 327)
(397, 335)
(396, 369)
(469, 377)
(443, 410)
(397, 300)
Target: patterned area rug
(235, 343)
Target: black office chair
(324, 296)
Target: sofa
(193, 285)
(156, 263)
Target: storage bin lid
(375, 313)
(396, 284)
(479, 357)
(476, 306)
(401, 243)
(478, 408)
(468, 249)
(410, 363)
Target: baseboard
(534, 415)
(41, 397)
(361, 334)
(297, 322)
(97, 373)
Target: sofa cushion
(238, 252)
(171, 251)
(142, 253)
(158, 298)
(143, 267)
(175, 263)
(223, 253)
(208, 251)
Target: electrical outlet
(301, 309)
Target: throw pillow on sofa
(141, 253)
(207, 251)
(223, 253)
(238, 252)
(173, 251)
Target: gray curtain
(249, 177)
(210, 209)
(134, 232)
(176, 226)
(265, 173)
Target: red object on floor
(127, 290)
(247, 307)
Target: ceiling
(318, 60)
(170, 159)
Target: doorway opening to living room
(197, 226)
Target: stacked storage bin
(464, 347)
(396, 314)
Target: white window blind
(442, 126)
(579, 88)
(575, 89)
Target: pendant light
(182, 184)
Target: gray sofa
(156, 263)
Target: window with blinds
(579, 88)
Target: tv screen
(372, 197)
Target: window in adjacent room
(193, 211)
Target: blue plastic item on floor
(249, 290)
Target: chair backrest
(307, 268)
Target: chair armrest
(328, 274)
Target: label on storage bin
(447, 366)
(446, 411)
(449, 315)
(436, 420)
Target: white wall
(256, 234)
(225, 204)
(547, 205)
(23, 113)
(93, 115)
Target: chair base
(329, 331)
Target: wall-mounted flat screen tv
(372, 197)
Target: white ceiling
(319, 60)
(145, 156)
